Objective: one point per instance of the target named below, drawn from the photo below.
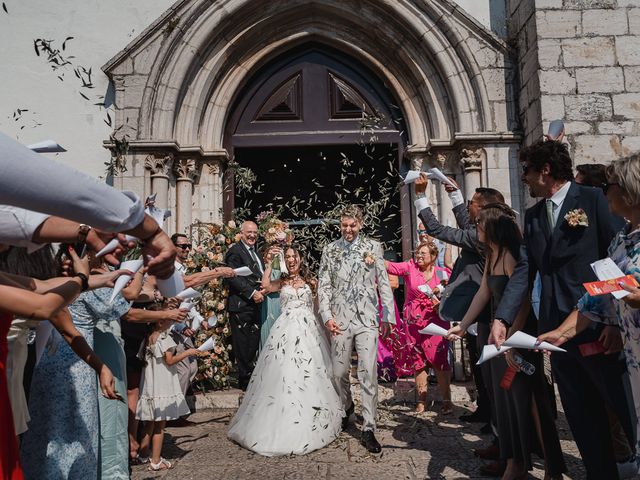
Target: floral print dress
(624, 250)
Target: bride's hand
(333, 327)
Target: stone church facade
(466, 98)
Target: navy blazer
(563, 257)
(241, 288)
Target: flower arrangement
(577, 218)
(275, 232)
(211, 242)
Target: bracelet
(85, 281)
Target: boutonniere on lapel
(369, 258)
(577, 218)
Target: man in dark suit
(465, 282)
(244, 301)
(561, 250)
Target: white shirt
(456, 199)
(33, 182)
(17, 226)
(558, 199)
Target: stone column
(472, 160)
(186, 173)
(160, 166)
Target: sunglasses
(606, 186)
(525, 168)
(184, 246)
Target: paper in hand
(411, 176)
(121, 282)
(433, 329)
(189, 293)
(243, 271)
(113, 244)
(186, 305)
(435, 174)
(196, 322)
(212, 320)
(473, 329)
(491, 351)
(170, 287)
(207, 345)
(526, 341)
(606, 269)
(426, 289)
(46, 146)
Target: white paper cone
(171, 286)
(113, 244)
(212, 321)
(490, 351)
(473, 329)
(121, 281)
(186, 305)
(189, 293)
(436, 174)
(523, 340)
(207, 345)
(433, 329)
(283, 266)
(46, 146)
(412, 176)
(243, 271)
(196, 322)
(426, 289)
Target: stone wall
(588, 54)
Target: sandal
(420, 406)
(162, 465)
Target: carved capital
(472, 158)
(443, 159)
(159, 165)
(185, 170)
(214, 168)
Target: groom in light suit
(352, 276)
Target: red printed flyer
(608, 286)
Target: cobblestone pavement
(415, 446)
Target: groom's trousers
(365, 339)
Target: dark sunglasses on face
(525, 168)
(184, 246)
(606, 186)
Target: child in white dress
(161, 396)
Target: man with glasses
(245, 301)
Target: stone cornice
(159, 147)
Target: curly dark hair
(593, 174)
(549, 152)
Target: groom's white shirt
(349, 287)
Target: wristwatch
(83, 231)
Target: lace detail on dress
(291, 297)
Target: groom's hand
(333, 327)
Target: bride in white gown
(291, 405)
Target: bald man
(245, 301)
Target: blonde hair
(626, 171)
(353, 211)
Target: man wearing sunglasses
(561, 249)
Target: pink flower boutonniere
(577, 218)
(369, 258)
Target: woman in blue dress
(271, 305)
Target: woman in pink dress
(420, 310)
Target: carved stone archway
(176, 82)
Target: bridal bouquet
(276, 233)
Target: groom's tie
(550, 216)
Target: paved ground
(427, 445)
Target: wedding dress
(291, 405)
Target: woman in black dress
(524, 404)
